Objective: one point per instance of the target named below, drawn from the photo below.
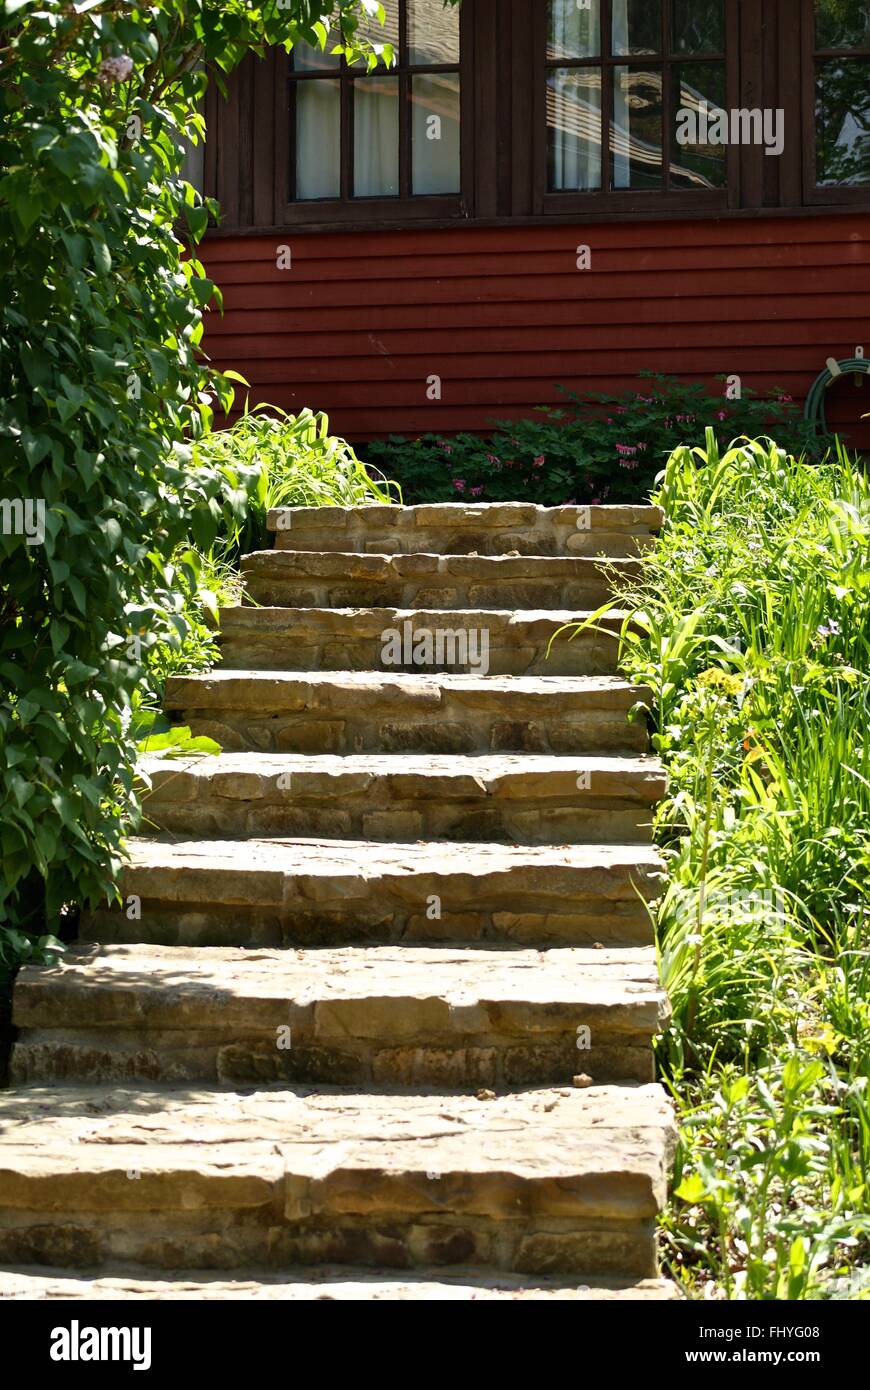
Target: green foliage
(297, 463)
(599, 449)
(752, 629)
(103, 398)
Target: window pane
(574, 32)
(842, 24)
(379, 34)
(304, 58)
(637, 26)
(433, 33)
(636, 134)
(376, 137)
(574, 128)
(698, 26)
(318, 137)
(435, 134)
(698, 158)
(843, 121)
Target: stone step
(342, 1283)
(335, 579)
(461, 528)
(482, 642)
(544, 1182)
(382, 1016)
(277, 892)
(360, 711)
(368, 796)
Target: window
(525, 109)
(622, 78)
(389, 134)
(840, 95)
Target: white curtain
(376, 137)
(318, 139)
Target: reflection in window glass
(304, 58)
(842, 24)
(376, 137)
(699, 88)
(574, 129)
(574, 32)
(843, 121)
(637, 26)
(636, 132)
(433, 33)
(379, 34)
(698, 26)
(435, 133)
(318, 139)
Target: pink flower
(723, 414)
(476, 491)
(627, 450)
(446, 447)
(114, 70)
(539, 461)
(491, 458)
(459, 484)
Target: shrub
(752, 628)
(296, 462)
(105, 501)
(598, 449)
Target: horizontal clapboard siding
(501, 315)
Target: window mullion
(667, 95)
(606, 56)
(404, 104)
(347, 170)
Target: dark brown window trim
(550, 220)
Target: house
(542, 192)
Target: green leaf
(692, 1189)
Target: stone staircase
(374, 1019)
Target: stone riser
(458, 1062)
(386, 819)
(464, 529)
(461, 731)
(375, 921)
(297, 649)
(228, 1239)
(579, 659)
(432, 592)
(615, 545)
(315, 579)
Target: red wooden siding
(502, 314)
